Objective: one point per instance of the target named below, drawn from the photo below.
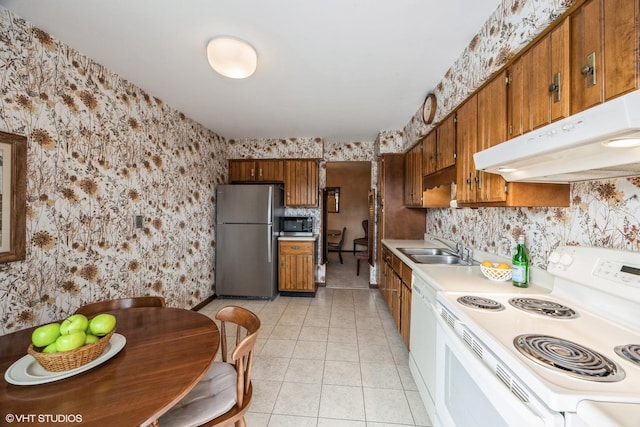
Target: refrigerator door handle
(270, 244)
(270, 205)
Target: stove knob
(566, 259)
(554, 257)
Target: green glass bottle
(520, 265)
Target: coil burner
(568, 357)
(543, 307)
(630, 352)
(480, 303)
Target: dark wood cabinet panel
(296, 267)
(301, 183)
(268, 170)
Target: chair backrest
(338, 244)
(365, 225)
(116, 304)
(341, 242)
(247, 325)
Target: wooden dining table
(167, 351)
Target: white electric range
(533, 360)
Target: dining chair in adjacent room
(361, 256)
(362, 241)
(223, 395)
(117, 304)
(337, 246)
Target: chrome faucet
(469, 255)
(458, 249)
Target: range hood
(597, 143)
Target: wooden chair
(364, 256)
(337, 246)
(116, 304)
(362, 241)
(223, 395)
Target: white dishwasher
(422, 353)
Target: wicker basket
(496, 274)
(66, 360)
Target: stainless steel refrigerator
(247, 229)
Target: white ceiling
(337, 69)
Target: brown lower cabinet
(396, 291)
(296, 266)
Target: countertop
(458, 278)
(300, 238)
(464, 278)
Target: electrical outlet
(138, 221)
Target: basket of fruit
(72, 343)
(498, 272)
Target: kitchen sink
(433, 256)
(436, 259)
(425, 251)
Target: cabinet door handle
(589, 70)
(555, 87)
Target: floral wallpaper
(275, 148)
(509, 29)
(389, 142)
(602, 214)
(100, 152)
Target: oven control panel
(583, 264)
(618, 271)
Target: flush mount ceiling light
(232, 57)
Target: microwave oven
(296, 225)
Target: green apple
(90, 339)
(45, 335)
(73, 323)
(51, 348)
(102, 324)
(70, 341)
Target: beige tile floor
(328, 361)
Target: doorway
(345, 207)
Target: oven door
(469, 394)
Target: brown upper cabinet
(268, 170)
(439, 147)
(446, 143)
(604, 45)
(300, 177)
(413, 176)
(481, 123)
(538, 83)
(301, 183)
(430, 153)
(466, 138)
(492, 130)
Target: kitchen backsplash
(602, 213)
